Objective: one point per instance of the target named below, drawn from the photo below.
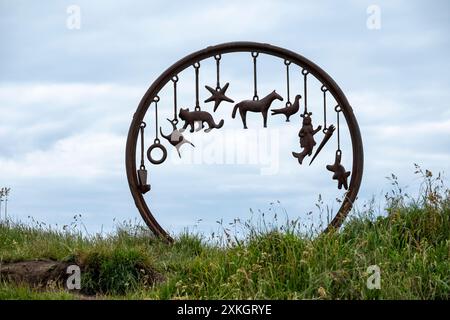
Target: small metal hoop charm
(339, 152)
(156, 99)
(196, 65)
(218, 57)
(323, 88)
(338, 108)
(255, 54)
(175, 78)
(287, 62)
(288, 104)
(174, 121)
(255, 98)
(156, 145)
(197, 108)
(305, 72)
(142, 125)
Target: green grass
(410, 244)
(14, 292)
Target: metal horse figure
(262, 106)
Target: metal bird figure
(289, 110)
(328, 133)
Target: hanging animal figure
(289, 110)
(175, 138)
(262, 106)
(191, 117)
(306, 135)
(340, 174)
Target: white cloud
(80, 157)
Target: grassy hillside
(410, 244)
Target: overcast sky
(67, 96)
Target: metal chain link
(142, 126)
(255, 81)
(197, 72)
(287, 63)
(155, 100)
(218, 57)
(305, 89)
(175, 106)
(338, 110)
(324, 90)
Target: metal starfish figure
(339, 171)
(218, 95)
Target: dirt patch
(40, 273)
(50, 274)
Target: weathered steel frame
(175, 69)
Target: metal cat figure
(191, 117)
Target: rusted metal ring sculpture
(137, 182)
(157, 145)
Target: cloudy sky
(67, 96)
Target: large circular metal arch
(165, 77)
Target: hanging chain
(287, 63)
(338, 110)
(305, 89)
(218, 57)
(255, 82)
(142, 126)
(155, 100)
(324, 90)
(197, 71)
(175, 107)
